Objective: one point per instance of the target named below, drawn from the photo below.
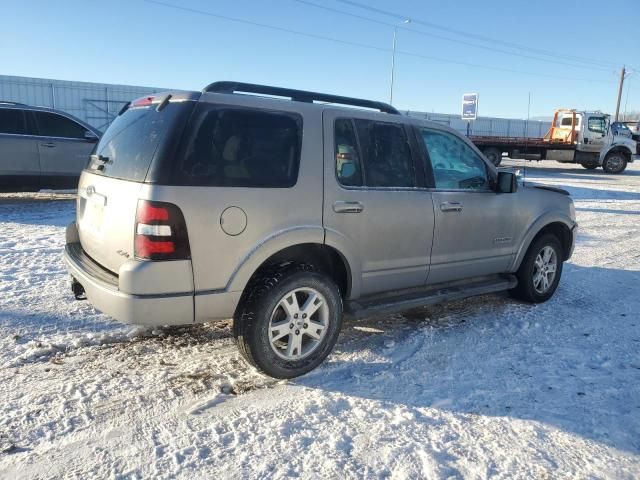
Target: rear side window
(386, 153)
(54, 125)
(12, 121)
(230, 147)
(136, 137)
(566, 121)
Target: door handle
(451, 206)
(48, 145)
(347, 207)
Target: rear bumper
(143, 293)
(161, 309)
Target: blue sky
(141, 43)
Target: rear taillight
(142, 102)
(160, 232)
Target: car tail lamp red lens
(160, 232)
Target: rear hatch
(145, 132)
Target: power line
(360, 45)
(476, 36)
(449, 39)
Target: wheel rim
(298, 323)
(544, 271)
(614, 163)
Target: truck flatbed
(520, 142)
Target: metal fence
(95, 103)
(99, 103)
(489, 126)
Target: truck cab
(596, 143)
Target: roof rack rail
(8, 102)
(297, 95)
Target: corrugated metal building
(95, 103)
(490, 126)
(99, 103)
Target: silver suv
(42, 148)
(285, 209)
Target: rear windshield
(237, 147)
(138, 135)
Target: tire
(615, 162)
(494, 155)
(527, 289)
(590, 165)
(300, 347)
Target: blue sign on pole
(469, 106)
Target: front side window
(455, 165)
(348, 168)
(241, 148)
(596, 124)
(12, 121)
(54, 125)
(386, 154)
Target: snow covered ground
(486, 387)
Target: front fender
(616, 146)
(269, 246)
(535, 228)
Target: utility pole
(393, 58)
(622, 74)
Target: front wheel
(540, 270)
(289, 321)
(615, 162)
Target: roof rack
(297, 95)
(7, 102)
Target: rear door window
(232, 147)
(54, 125)
(348, 166)
(386, 153)
(12, 121)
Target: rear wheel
(494, 155)
(289, 321)
(615, 162)
(540, 270)
(590, 164)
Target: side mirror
(507, 182)
(89, 135)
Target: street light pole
(393, 58)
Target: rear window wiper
(101, 159)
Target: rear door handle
(451, 206)
(347, 207)
(48, 145)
